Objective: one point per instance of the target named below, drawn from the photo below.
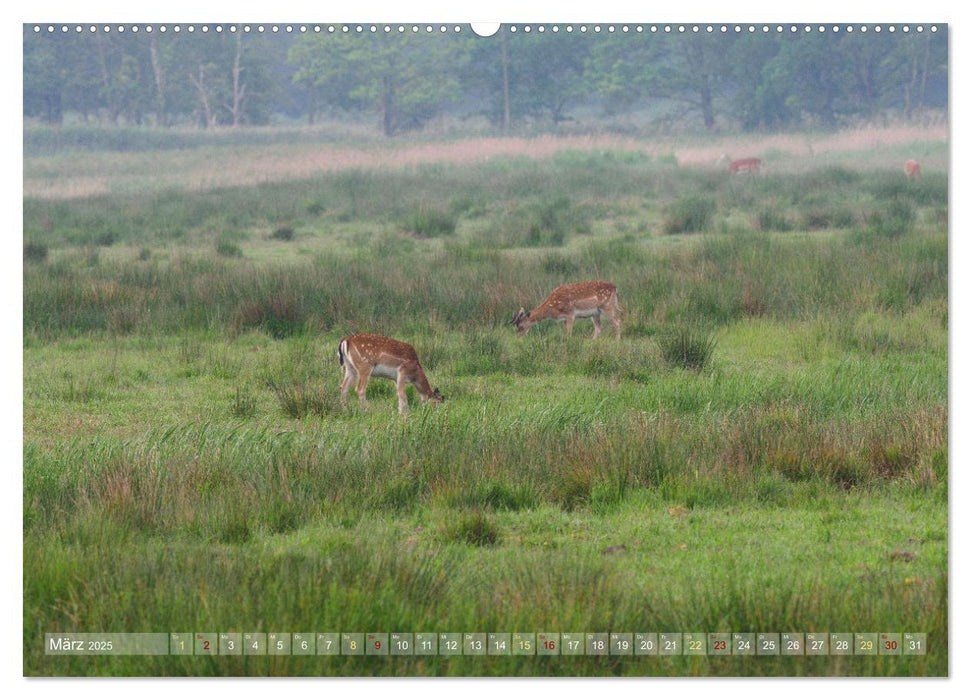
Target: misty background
(515, 82)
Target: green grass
(187, 465)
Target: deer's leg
(349, 375)
(612, 317)
(402, 396)
(597, 325)
(362, 379)
(568, 325)
(612, 311)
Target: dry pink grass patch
(210, 168)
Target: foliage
(405, 80)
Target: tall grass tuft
(687, 347)
(689, 214)
(35, 252)
(474, 529)
(244, 403)
(430, 223)
(226, 248)
(298, 400)
(280, 314)
(539, 224)
(771, 219)
(897, 219)
(283, 232)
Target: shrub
(498, 496)
(549, 223)
(753, 301)
(244, 403)
(227, 249)
(35, 252)
(822, 217)
(282, 232)
(281, 315)
(689, 214)
(465, 205)
(544, 223)
(835, 176)
(897, 219)
(106, 238)
(687, 348)
(234, 529)
(430, 223)
(123, 319)
(314, 208)
(474, 529)
(401, 493)
(772, 220)
(299, 400)
(556, 264)
(574, 488)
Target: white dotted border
(455, 28)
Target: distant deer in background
(912, 168)
(745, 165)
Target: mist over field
(764, 448)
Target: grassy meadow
(763, 450)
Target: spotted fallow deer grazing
(912, 168)
(364, 356)
(572, 301)
(745, 165)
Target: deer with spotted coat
(573, 301)
(365, 355)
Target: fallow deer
(572, 301)
(746, 165)
(912, 168)
(365, 355)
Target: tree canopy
(400, 80)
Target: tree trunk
(909, 89)
(387, 106)
(866, 78)
(106, 80)
(55, 112)
(707, 107)
(923, 75)
(239, 91)
(200, 83)
(312, 107)
(161, 118)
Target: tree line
(402, 80)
